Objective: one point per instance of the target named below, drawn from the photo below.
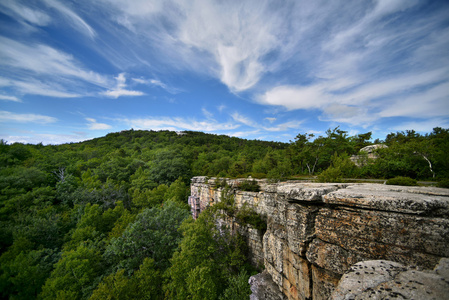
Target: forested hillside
(108, 218)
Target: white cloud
(432, 102)
(167, 123)
(278, 127)
(284, 126)
(158, 83)
(72, 18)
(221, 108)
(246, 42)
(35, 87)
(354, 115)
(243, 134)
(6, 116)
(94, 125)
(296, 97)
(58, 72)
(422, 126)
(10, 98)
(244, 120)
(207, 114)
(271, 120)
(119, 93)
(42, 59)
(394, 86)
(45, 138)
(410, 95)
(119, 90)
(24, 13)
(228, 40)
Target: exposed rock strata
(316, 232)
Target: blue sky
(75, 70)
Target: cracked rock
(379, 279)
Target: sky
(268, 70)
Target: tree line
(108, 218)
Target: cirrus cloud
(6, 116)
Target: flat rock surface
(379, 279)
(410, 200)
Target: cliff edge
(317, 231)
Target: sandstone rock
(307, 192)
(368, 152)
(385, 279)
(263, 288)
(316, 232)
(409, 200)
(372, 148)
(442, 268)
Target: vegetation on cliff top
(108, 217)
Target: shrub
(220, 183)
(399, 180)
(249, 186)
(331, 174)
(246, 215)
(443, 183)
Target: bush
(331, 174)
(220, 183)
(443, 183)
(249, 186)
(246, 215)
(402, 181)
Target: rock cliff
(317, 231)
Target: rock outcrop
(377, 279)
(317, 231)
(366, 153)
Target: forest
(108, 218)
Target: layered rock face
(317, 231)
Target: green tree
(153, 234)
(75, 275)
(167, 166)
(145, 283)
(206, 257)
(22, 277)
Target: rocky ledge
(316, 232)
(377, 279)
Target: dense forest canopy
(108, 218)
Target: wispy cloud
(23, 13)
(207, 114)
(168, 123)
(45, 60)
(244, 120)
(367, 56)
(229, 40)
(73, 19)
(45, 138)
(94, 125)
(157, 83)
(119, 90)
(59, 73)
(284, 126)
(10, 98)
(295, 124)
(422, 126)
(6, 116)
(36, 87)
